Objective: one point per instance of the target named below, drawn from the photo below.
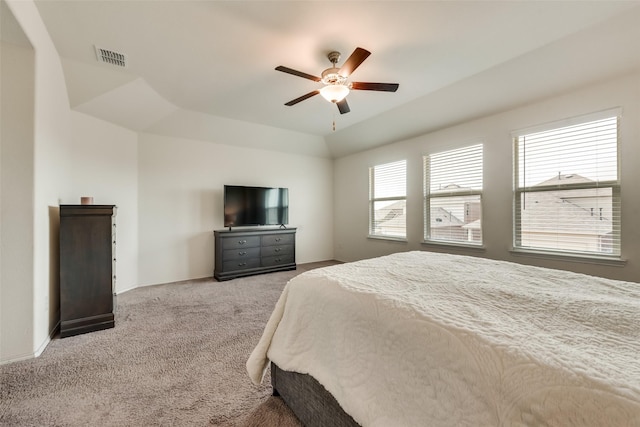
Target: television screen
(255, 206)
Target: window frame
(428, 196)
(373, 200)
(613, 185)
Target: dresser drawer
(240, 253)
(270, 261)
(278, 239)
(241, 242)
(281, 250)
(241, 264)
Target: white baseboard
(44, 345)
(38, 351)
(17, 359)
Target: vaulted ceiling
(213, 61)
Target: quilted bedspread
(427, 339)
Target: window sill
(479, 248)
(390, 238)
(586, 259)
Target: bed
(421, 338)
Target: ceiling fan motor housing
(331, 76)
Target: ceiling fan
(336, 85)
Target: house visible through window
(388, 200)
(453, 196)
(567, 193)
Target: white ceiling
(212, 62)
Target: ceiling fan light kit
(336, 85)
(334, 92)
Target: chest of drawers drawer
(240, 253)
(270, 261)
(277, 250)
(241, 242)
(241, 264)
(277, 239)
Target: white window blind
(567, 192)
(388, 200)
(453, 196)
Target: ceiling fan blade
(354, 61)
(383, 87)
(343, 106)
(297, 73)
(302, 98)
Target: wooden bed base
(308, 399)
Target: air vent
(110, 57)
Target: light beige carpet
(176, 357)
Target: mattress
(420, 338)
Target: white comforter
(425, 339)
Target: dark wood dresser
(245, 252)
(87, 247)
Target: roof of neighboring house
(392, 216)
(396, 223)
(391, 210)
(452, 188)
(580, 212)
(442, 218)
(570, 178)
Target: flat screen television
(246, 206)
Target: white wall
(180, 183)
(104, 165)
(351, 179)
(16, 197)
(52, 178)
(44, 178)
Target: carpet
(176, 357)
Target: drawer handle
(242, 253)
(242, 264)
(278, 239)
(242, 242)
(277, 249)
(278, 260)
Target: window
(567, 193)
(453, 196)
(388, 200)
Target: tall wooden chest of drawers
(246, 252)
(87, 241)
